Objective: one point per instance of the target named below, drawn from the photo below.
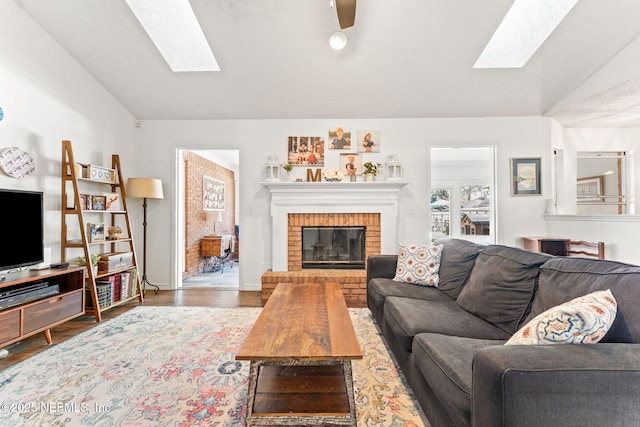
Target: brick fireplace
(371, 222)
(300, 204)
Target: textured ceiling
(410, 58)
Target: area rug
(175, 366)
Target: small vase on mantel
(369, 177)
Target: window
(461, 197)
(440, 214)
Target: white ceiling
(409, 58)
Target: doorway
(208, 237)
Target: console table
(547, 245)
(217, 251)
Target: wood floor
(188, 297)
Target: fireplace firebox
(333, 247)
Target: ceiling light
(174, 29)
(338, 40)
(522, 31)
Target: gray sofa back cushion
(456, 262)
(502, 285)
(562, 279)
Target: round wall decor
(16, 163)
(1, 114)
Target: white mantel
(332, 197)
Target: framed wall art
(526, 177)
(368, 141)
(590, 189)
(212, 194)
(305, 150)
(339, 138)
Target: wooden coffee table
(300, 349)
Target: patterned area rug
(161, 366)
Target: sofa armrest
(563, 384)
(381, 266)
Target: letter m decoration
(311, 177)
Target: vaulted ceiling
(408, 58)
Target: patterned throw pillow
(583, 320)
(418, 264)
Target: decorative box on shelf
(99, 173)
(114, 261)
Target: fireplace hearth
(333, 247)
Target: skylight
(174, 29)
(522, 31)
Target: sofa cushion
(379, 289)
(564, 278)
(432, 355)
(418, 264)
(407, 317)
(457, 260)
(583, 320)
(502, 285)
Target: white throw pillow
(418, 264)
(583, 320)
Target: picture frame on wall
(526, 177)
(212, 194)
(305, 150)
(590, 189)
(339, 138)
(369, 141)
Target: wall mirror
(601, 183)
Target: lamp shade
(215, 216)
(141, 188)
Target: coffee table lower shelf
(301, 392)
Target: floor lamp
(145, 188)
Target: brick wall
(196, 224)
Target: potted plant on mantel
(371, 170)
(288, 167)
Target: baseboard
(251, 287)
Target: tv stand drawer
(52, 310)
(9, 326)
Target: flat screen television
(22, 214)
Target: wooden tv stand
(21, 321)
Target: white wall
(411, 139)
(46, 97)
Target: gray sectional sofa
(449, 340)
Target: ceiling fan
(346, 12)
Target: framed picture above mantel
(526, 177)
